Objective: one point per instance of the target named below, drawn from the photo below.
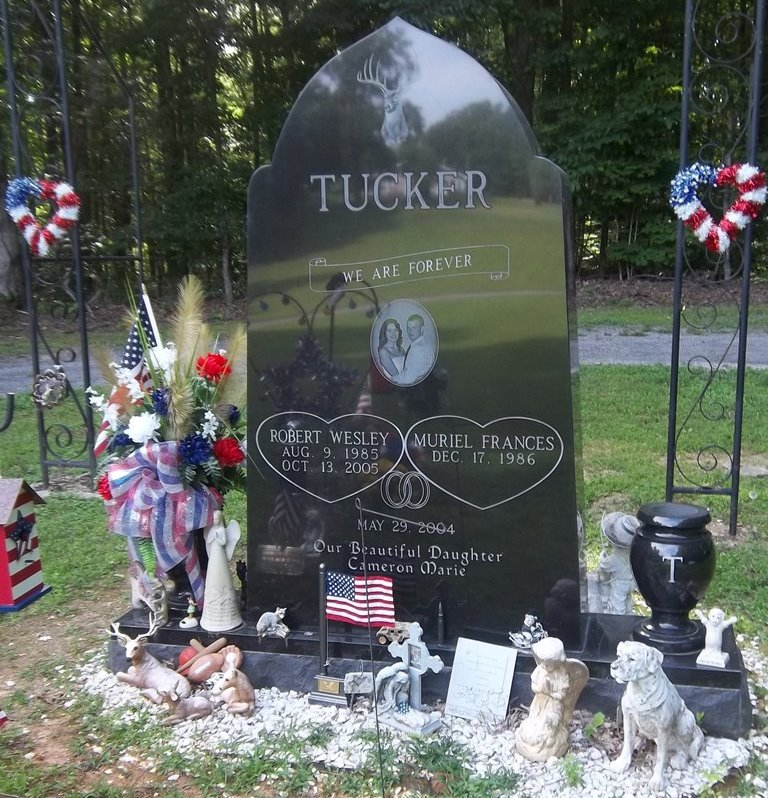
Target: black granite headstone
(411, 380)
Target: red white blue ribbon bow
(149, 499)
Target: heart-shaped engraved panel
(484, 465)
(330, 460)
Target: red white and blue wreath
(748, 180)
(67, 208)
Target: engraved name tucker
(448, 190)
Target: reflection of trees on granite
(309, 383)
(503, 343)
(428, 397)
(487, 137)
(336, 121)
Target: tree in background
(214, 81)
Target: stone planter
(673, 561)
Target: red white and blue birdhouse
(21, 572)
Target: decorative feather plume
(181, 407)
(187, 324)
(103, 358)
(232, 390)
(202, 346)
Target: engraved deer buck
(394, 128)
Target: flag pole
(151, 314)
(329, 689)
(322, 622)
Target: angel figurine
(221, 608)
(556, 683)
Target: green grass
(624, 419)
(34, 781)
(19, 450)
(639, 319)
(624, 412)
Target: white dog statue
(653, 708)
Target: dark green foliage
(600, 82)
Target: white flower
(163, 358)
(96, 400)
(210, 425)
(143, 427)
(127, 380)
(112, 416)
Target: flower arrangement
(178, 392)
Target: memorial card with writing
(411, 379)
(481, 679)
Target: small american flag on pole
(133, 359)
(359, 600)
(3, 718)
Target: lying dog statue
(653, 708)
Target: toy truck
(391, 634)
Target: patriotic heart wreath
(717, 237)
(62, 195)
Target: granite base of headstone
(720, 695)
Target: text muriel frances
(442, 190)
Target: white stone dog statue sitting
(653, 708)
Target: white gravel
(491, 749)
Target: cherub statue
(715, 623)
(557, 683)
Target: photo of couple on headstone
(404, 342)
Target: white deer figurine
(182, 709)
(394, 128)
(236, 691)
(148, 674)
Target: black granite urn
(673, 561)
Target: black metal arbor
(39, 85)
(721, 103)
